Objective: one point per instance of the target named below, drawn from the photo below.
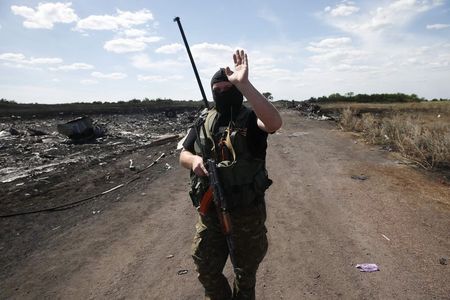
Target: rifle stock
(206, 201)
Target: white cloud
(113, 76)
(143, 62)
(336, 54)
(393, 15)
(73, 67)
(212, 56)
(324, 44)
(12, 57)
(312, 70)
(438, 26)
(269, 16)
(88, 81)
(276, 73)
(170, 49)
(158, 78)
(122, 20)
(46, 14)
(208, 57)
(126, 45)
(342, 10)
(433, 57)
(353, 68)
(382, 41)
(149, 39)
(339, 56)
(134, 32)
(203, 47)
(21, 59)
(45, 61)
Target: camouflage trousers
(210, 252)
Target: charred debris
(309, 109)
(32, 148)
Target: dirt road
(321, 223)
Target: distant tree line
(3, 100)
(378, 98)
(169, 101)
(12, 108)
(336, 97)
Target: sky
(86, 50)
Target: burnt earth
(49, 170)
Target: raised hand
(240, 74)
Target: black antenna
(177, 19)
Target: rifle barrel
(177, 19)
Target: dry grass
(429, 111)
(418, 135)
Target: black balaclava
(227, 102)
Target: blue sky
(54, 52)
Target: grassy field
(428, 112)
(419, 131)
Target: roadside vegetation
(418, 130)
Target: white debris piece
(366, 267)
(323, 118)
(4, 133)
(180, 143)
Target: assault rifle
(215, 192)
(221, 205)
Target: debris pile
(31, 148)
(81, 129)
(312, 111)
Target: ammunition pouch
(243, 184)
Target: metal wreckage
(38, 151)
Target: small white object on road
(367, 267)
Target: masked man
(235, 136)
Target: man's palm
(240, 74)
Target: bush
(428, 145)
(371, 129)
(348, 119)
